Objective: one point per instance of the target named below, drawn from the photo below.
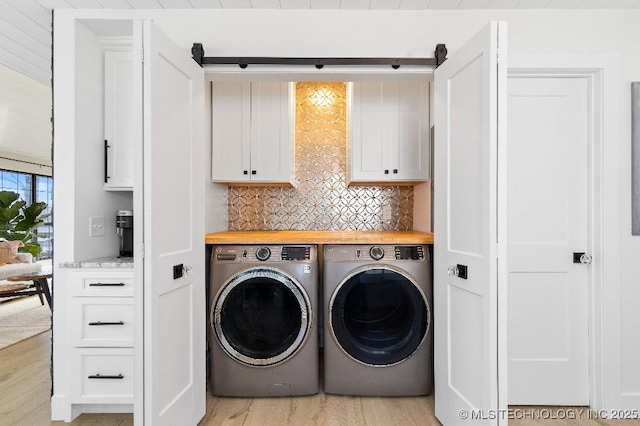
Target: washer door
(261, 316)
(379, 316)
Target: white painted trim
(138, 236)
(116, 43)
(602, 72)
(64, 206)
(300, 73)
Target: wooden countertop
(319, 237)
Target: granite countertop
(101, 262)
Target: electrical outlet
(96, 226)
(386, 212)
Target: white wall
(25, 123)
(347, 33)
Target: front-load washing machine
(263, 332)
(377, 337)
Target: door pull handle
(583, 258)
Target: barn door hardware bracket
(440, 54)
(197, 51)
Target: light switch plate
(96, 226)
(386, 212)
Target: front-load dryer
(263, 332)
(377, 337)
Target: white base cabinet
(94, 342)
(389, 126)
(253, 133)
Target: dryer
(377, 337)
(263, 333)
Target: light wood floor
(25, 387)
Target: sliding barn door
(469, 273)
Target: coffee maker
(124, 227)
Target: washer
(377, 338)
(263, 332)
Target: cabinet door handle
(386, 172)
(106, 161)
(100, 376)
(245, 172)
(395, 171)
(253, 172)
(106, 284)
(107, 323)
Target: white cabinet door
(231, 103)
(172, 183)
(470, 226)
(118, 120)
(369, 150)
(253, 140)
(410, 142)
(390, 132)
(272, 144)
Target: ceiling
(25, 25)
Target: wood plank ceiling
(25, 25)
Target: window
(44, 192)
(33, 188)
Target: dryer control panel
(375, 253)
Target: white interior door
(548, 294)
(173, 226)
(470, 215)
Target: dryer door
(379, 316)
(261, 316)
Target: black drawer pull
(107, 323)
(100, 376)
(106, 285)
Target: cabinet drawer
(102, 322)
(104, 376)
(101, 284)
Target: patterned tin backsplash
(321, 200)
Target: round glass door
(261, 316)
(379, 316)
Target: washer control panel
(263, 253)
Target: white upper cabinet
(389, 132)
(253, 135)
(118, 118)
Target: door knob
(452, 271)
(187, 270)
(580, 257)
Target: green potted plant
(19, 221)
